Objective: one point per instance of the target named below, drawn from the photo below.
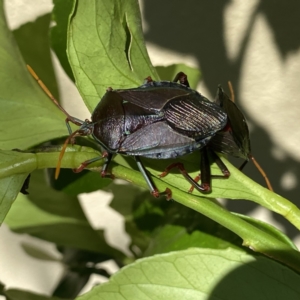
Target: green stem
(22, 162)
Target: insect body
(157, 120)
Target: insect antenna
(262, 172)
(63, 150)
(232, 97)
(69, 118)
(52, 98)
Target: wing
(237, 132)
(154, 95)
(195, 116)
(184, 109)
(160, 141)
(223, 142)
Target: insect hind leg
(205, 173)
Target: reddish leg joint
(177, 165)
(167, 193)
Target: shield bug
(158, 120)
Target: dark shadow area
(198, 29)
(283, 18)
(260, 279)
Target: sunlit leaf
(200, 274)
(28, 116)
(106, 48)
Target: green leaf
(106, 48)
(174, 238)
(77, 183)
(200, 274)
(38, 252)
(268, 229)
(169, 73)
(51, 201)
(33, 42)
(58, 33)
(55, 217)
(157, 226)
(28, 116)
(9, 190)
(124, 197)
(142, 213)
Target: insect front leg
(74, 121)
(104, 172)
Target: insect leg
(104, 172)
(153, 190)
(104, 167)
(243, 165)
(205, 173)
(182, 78)
(205, 170)
(182, 170)
(223, 168)
(73, 120)
(52, 98)
(86, 163)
